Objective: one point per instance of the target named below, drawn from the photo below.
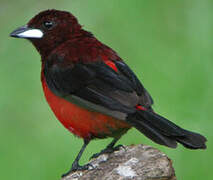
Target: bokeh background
(167, 43)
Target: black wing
(145, 98)
(98, 87)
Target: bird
(91, 90)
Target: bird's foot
(77, 167)
(107, 150)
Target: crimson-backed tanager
(91, 90)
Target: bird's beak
(28, 33)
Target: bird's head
(48, 29)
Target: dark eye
(48, 24)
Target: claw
(77, 167)
(107, 150)
(116, 148)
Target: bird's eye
(48, 24)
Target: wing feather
(98, 84)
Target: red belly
(81, 122)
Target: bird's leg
(109, 149)
(75, 164)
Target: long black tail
(164, 132)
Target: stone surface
(131, 162)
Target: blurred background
(167, 43)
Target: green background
(167, 43)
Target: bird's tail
(164, 132)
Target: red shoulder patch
(112, 65)
(139, 107)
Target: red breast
(79, 121)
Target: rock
(139, 162)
